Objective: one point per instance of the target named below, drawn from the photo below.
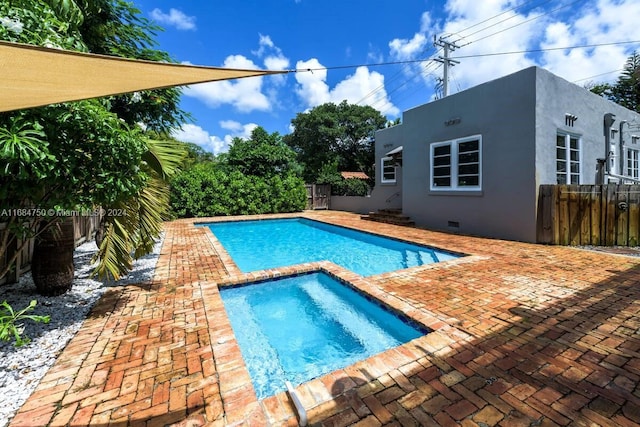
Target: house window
(567, 159)
(456, 164)
(633, 168)
(388, 170)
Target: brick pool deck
(523, 335)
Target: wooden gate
(606, 215)
(318, 196)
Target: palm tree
(131, 227)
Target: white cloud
(197, 135)
(175, 18)
(239, 130)
(312, 87)
(363, 87)
(231, 125)
(274, 59)
(248, 94)
(511, 37)
(245, 95)
(265, 44)
(494, 26)
(403, 49)
(605, 22)
(491, 26)
(276, 63)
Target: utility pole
(446, 61)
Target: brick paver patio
(523, 335)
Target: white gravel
(21, 369)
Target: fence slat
(564, 221)
(622, 223)
(545, 224)
(634, 218)
(595, 213)
(611, 217)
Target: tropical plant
(131, 226)
(262, 155)
(258, 175)
(92, 153)
(341, 186)
(208, 189)
(10, 322)
(341, 133)
(626, 90)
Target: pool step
(390, 216)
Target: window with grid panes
(388, 170)
(633, 168)
(456, 164)
(567, 159)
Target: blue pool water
(259, 245)
(301, 327)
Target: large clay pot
(52, 262)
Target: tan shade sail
(32, 76)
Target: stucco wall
(558, 97)
(388, 195)
(502, 112)
(357, 204)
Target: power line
(504, 20)
(523, 22)
(397, 75)
(432, 60)
(598, 75)
(414, 61)
(493, 17)
(442, 39)
(547, 49)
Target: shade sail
(32, 76)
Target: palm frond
(114, 255)
(134, 235)
(164, 157)
(153, 200)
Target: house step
(389, 216)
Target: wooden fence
(318, 196)
(84, 228)
(603, 215)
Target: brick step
(407, 223)
(392, 211)
(389, 216)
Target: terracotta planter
(52, 262)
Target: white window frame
(567, 158)
(382, 166)
(632, 162)
(454, 163)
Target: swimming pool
(300, 327)
(263, 244)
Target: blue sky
(349, 36)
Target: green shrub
(209, 190)
(350, 187)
